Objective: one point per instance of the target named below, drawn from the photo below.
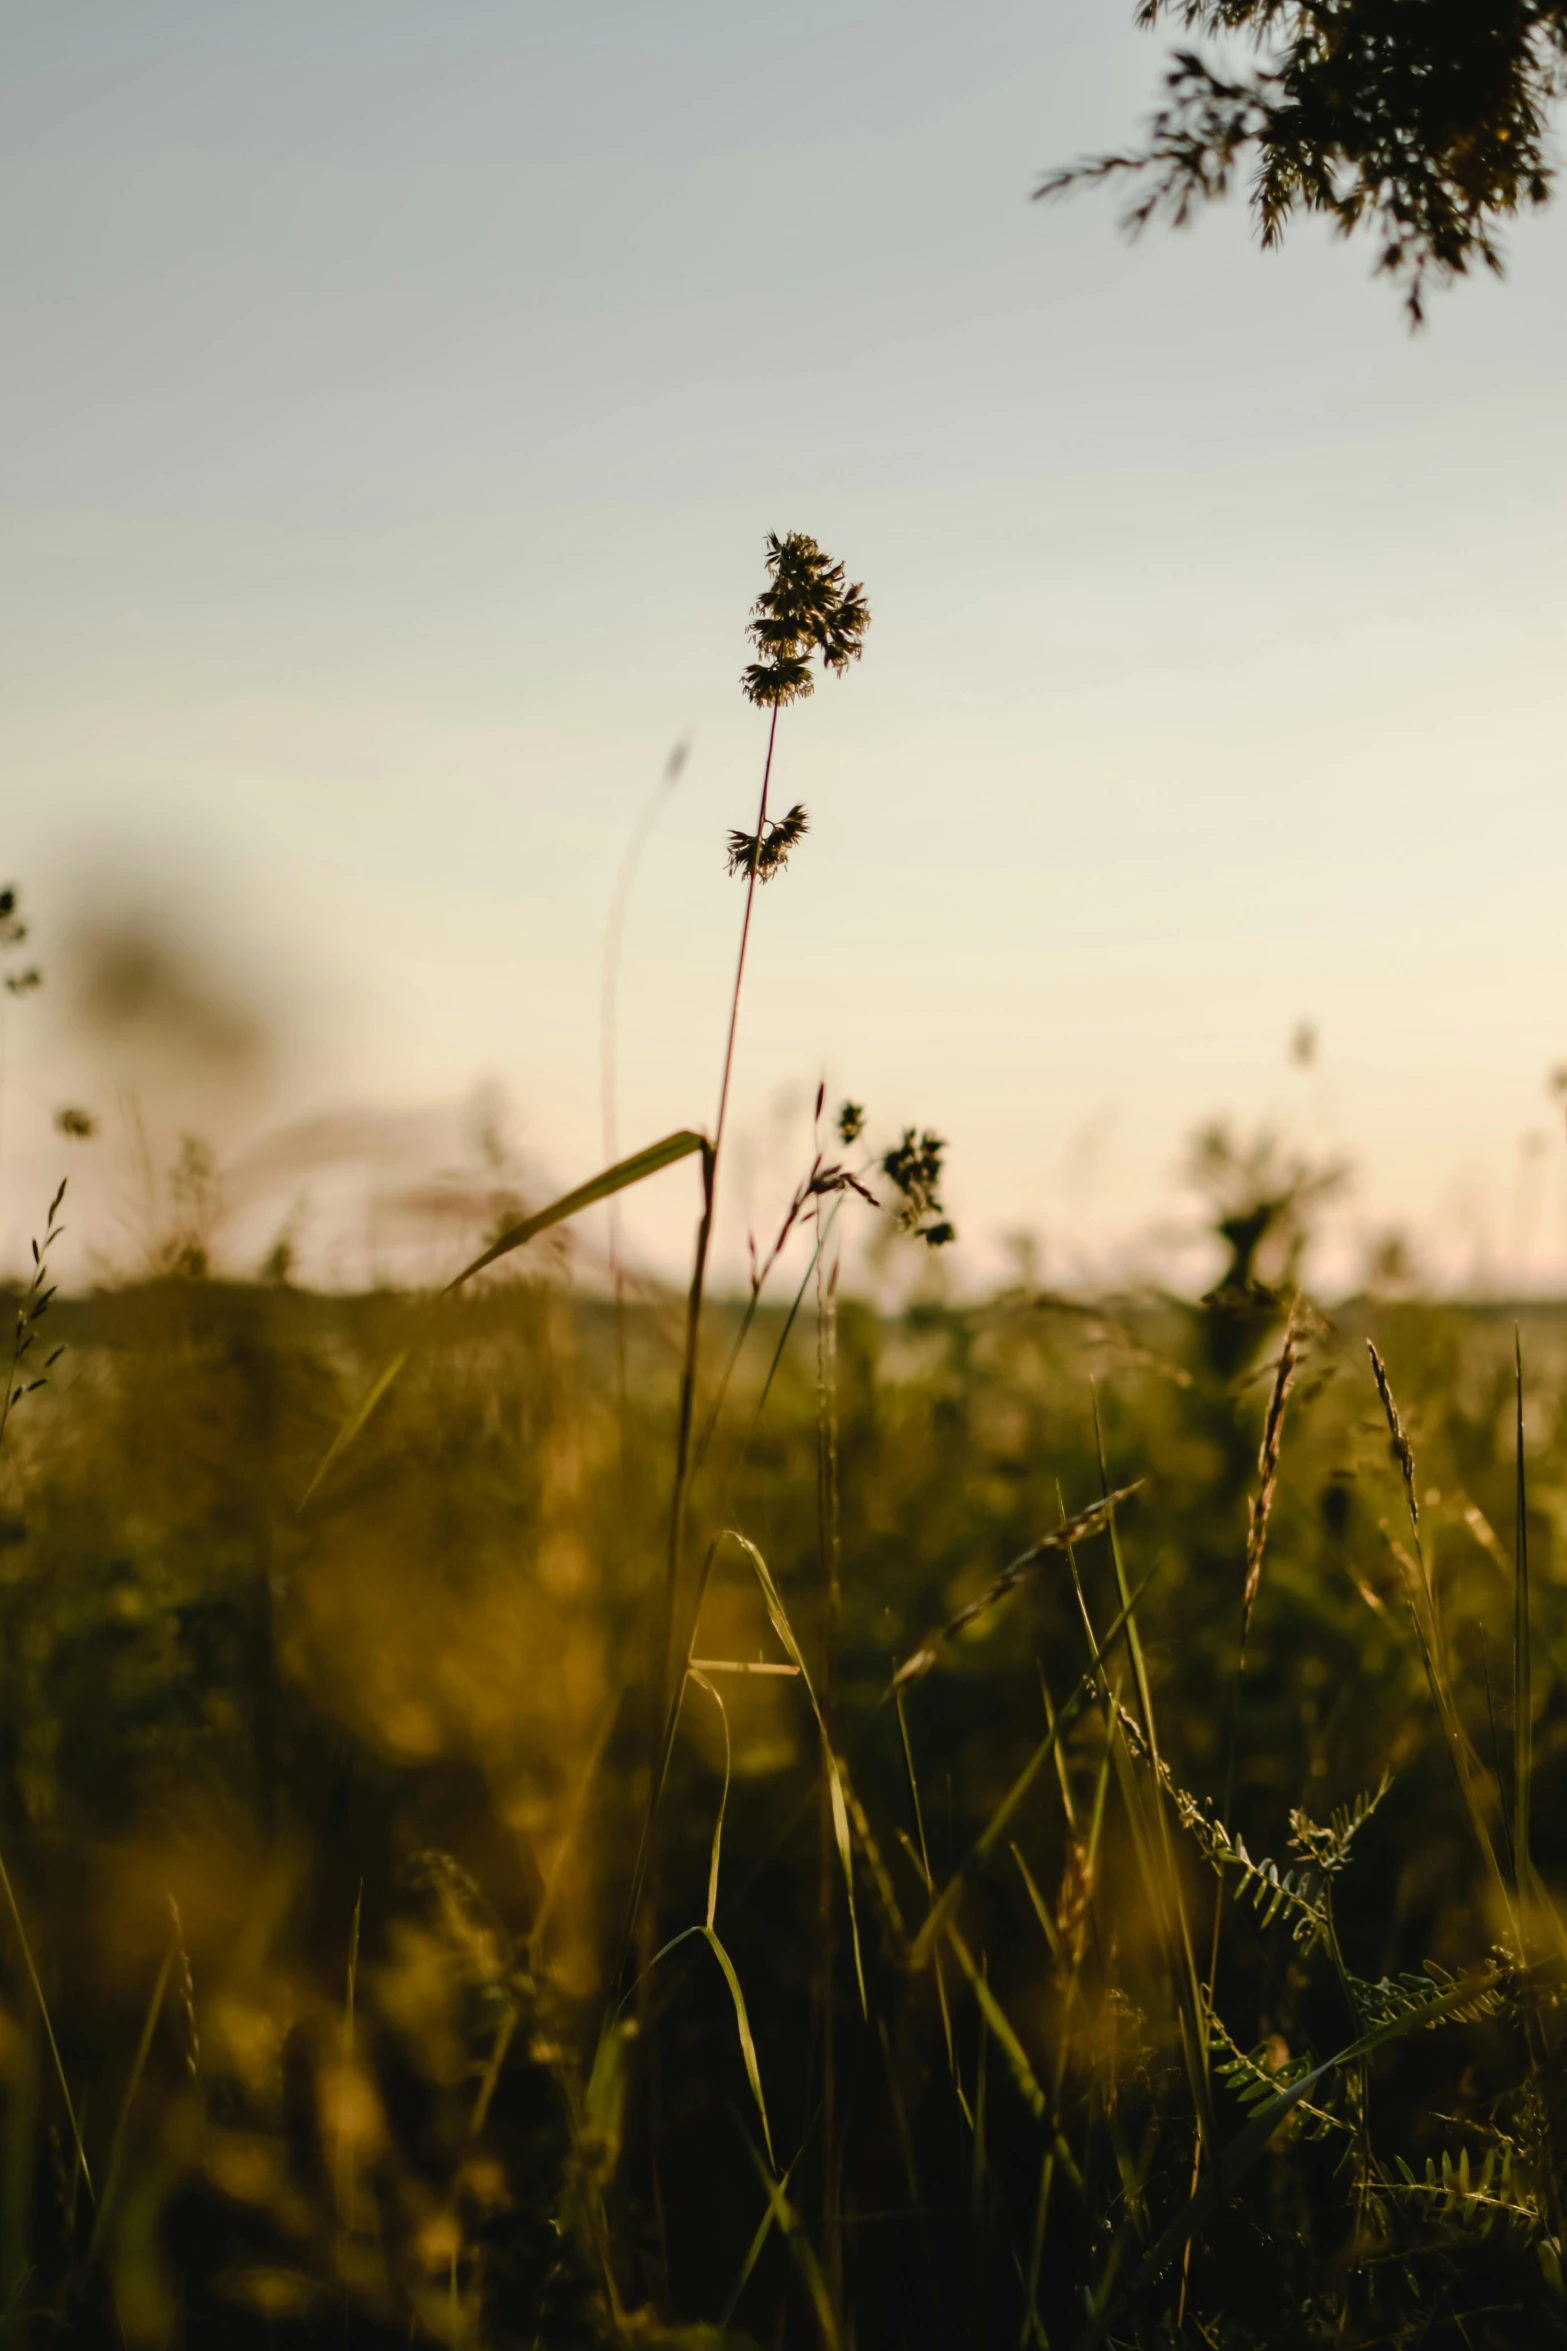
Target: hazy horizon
(396, 407)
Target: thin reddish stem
(745, 934)
(688, 1375)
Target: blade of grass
(1523, 1688)
(1032, 2325)
(790, 1320)
(575, 1814)
(1006, 2040)
(1041, 1912)
(979, 2265)
(823, 1233)
(900, 2119)
(742, 2019)
(910, 1848)
(1169, 1906)
(1428, 1635)
(947, 1900)
(930, 1883)
(753, 2072)
(840, 1815)
(612, 1179)
(505, 2033)
(659, 1777)
(48, 2025)
(703, 1683)
(800, 2246)
(111, 2178)
(357, 1417)
(1063, 1777)
(618, 1178)
(1260, 1510)
(764, 2229)
(829, 1832)
(345, 2145)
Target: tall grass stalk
(827, 1537)
(1259, 1513)
(806, 609)
(116, 2164)
(79, 2152)
(1523, 1680)
(1167, 1903)
(690, 1359)
(1425, 1617)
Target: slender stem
(1523, 1697)
(704, 1236)
(827, 1539)
(745, 933)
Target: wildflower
(851, 1122)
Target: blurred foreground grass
(322, 1825)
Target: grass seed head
(1402, 1451)
(766, 853)
(913, 1168)
(808, 607)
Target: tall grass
(408, 1705)
(537, 1818)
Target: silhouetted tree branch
(1423, 121)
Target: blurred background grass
(352, 1792)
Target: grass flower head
(808, 607)
(767, 853)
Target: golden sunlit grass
(540, 1818)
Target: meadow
(563, 1812)
(323, 1824)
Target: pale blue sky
(395, 400)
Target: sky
(395, 402)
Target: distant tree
(1421, 121)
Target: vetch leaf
(1243, 2150)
